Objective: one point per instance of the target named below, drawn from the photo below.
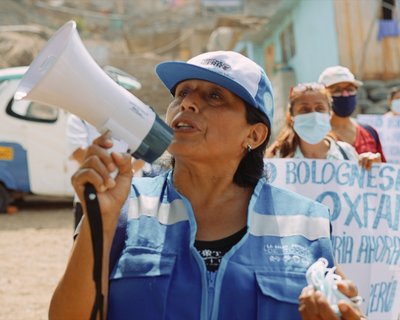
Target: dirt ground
(34, 247)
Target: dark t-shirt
(213, 251)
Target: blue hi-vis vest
(159, 274)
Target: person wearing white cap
(343, 87)
(209, 239)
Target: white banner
(365, 213)
(388, 128)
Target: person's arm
(75, 294)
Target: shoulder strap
(344, 154)
(372, 132)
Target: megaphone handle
(96, 231)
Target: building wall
(316, 39)
(360, 49)
(303, 43)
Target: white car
(34, 156)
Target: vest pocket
(139, 284)
(143, 262)
(278, 294)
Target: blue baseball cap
(230, 70)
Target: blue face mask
(312, 127)
(344, 106)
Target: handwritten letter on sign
(365, 214)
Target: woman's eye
(322, 109)
(215, 95)
(182, 93)
(304, 110)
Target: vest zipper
(211, 276)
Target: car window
(124, 79)
(32, 111)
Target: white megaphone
(65, 75)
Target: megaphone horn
(66, 76)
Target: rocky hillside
(21, 38)
(373, 96)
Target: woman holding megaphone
(209, 239)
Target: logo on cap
(216, 63)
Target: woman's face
(209, 122)
(310, 101)
(310, 116)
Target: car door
(40, 130)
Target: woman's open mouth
(183, 125)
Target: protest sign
(365, 216)
(388, 128)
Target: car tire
(4, 199)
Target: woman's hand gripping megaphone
(102, 194)
(111, 176)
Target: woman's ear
(258, 134)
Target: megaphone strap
(96, 231)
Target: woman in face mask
(394, 102)
(305, 134)
(343, 87)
